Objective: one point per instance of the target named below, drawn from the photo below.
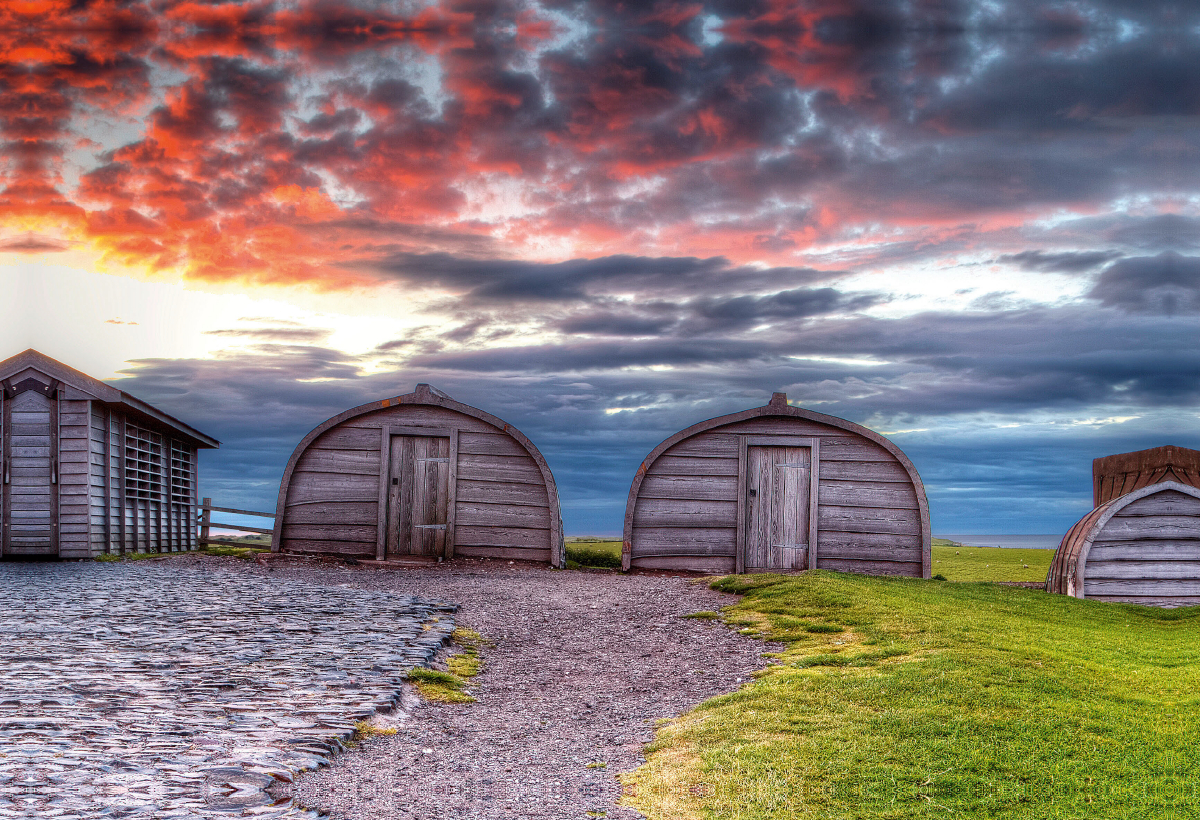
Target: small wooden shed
(1114, 476)
(90, 470)
(1142, 547)
(777, 488)
(419, 477)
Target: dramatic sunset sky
(971, 226)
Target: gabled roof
(16, 369)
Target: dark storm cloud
(938, 363)
(1165, 284)
(486, 282)
(1167, 231)
(1063, 262)
(590, 356)
(738, 312)
(702, 316)
(612, 323)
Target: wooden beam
(208, 506)
(381, 512)
(242, 528)
(205, 520)
(740, 554)
(122, 489)
(452, 494)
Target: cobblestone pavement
(167, 691)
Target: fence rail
(207, 509)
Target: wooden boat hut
(777, 488)
(90, 470)
(419, 477)
(1141, 546)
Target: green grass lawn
(953, 561)
(899, 698)
(585, 551)
(958, 563)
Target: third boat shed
(777, 488)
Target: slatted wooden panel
(29, 442)
(155, 478)
(419, 494)
(182, 521)
(777, 480)
(98, 486)
(115, 458)
(1148, 553)
(869, 516)
(1117, 475)
(333, 497)
(501, 507)
(74, 479)
(1109, 487)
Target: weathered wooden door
(30, 474)
(418, 495)
(778, 488)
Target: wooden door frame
(6, 467)
(745, 441)
(385, 471)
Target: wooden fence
(206, 511)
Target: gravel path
(582, 666)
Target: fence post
(205, 519)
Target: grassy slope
(940, 700)
(954, 561)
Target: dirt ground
(581, 667)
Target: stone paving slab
(167, 691)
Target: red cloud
(300, 143)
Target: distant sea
(1025, 542)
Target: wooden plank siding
(98, 485)
(1142, 547)
(28, 530)
(686, 508)
(346, 486)
(74, 478)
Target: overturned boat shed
(419, 477)
(1140, 544)
(777, 488)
